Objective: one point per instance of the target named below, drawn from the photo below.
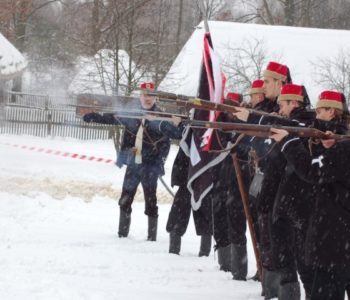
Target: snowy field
(58, 220)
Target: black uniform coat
(180, 167)
(155, 145)
(271, 162)
(290, 199)
(328, 237)
(292, 191)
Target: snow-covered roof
(12, 62)
(96, 75)
(299, 48)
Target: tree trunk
(305, 13)
(95, 27)
(130, 45)
(179, 23)
(289, 13)
(270, 18)
(158, 43)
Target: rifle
(245, 201)
(264, 131)
(197, 103)
(136, 113)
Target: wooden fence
(40, 115)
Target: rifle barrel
(265, 130)
(197, 103)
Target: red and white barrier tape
(62, 153)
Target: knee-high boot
(124, 223)
(224, 258)
(270, 283)
(205, 246)
(152, 228)
(239, 262)
(174, 243)
(289, 291)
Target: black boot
(224, 258)
(289, 291)
(256, 277)
(152, 229)
(239, 262)
(174, 243)
(270, 283)
(124, 223)
(205, 246)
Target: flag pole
(205, 19)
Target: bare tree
(311, 13)
(15, 16)
(244, 64)
(333, 72)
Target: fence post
(49, 117)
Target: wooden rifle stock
(245, 200)
(197, 103)
(264, 131)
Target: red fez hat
(256, 87)
(276, 70)
(291, 92)
(330, 99)
(147, 86)
(235, 97)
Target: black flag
(196, 143)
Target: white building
(12, 62)
(299, 48)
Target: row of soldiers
(299, 190)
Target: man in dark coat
(268, 173)
(291, 211)
(180, 211)
(328, 237)
(232, 257)
(236, 215)
(143, 151)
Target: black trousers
(147, 175)
(180, 212)
(289, 248)
(268, 259)
(237, 220)
(211, 217)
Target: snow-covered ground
(58, 220)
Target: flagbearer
(143, 150)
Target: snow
(299, 48)
(58, 219)
(12, 61)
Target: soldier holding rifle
(275, 76)
(328, 170)
(143, 151)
